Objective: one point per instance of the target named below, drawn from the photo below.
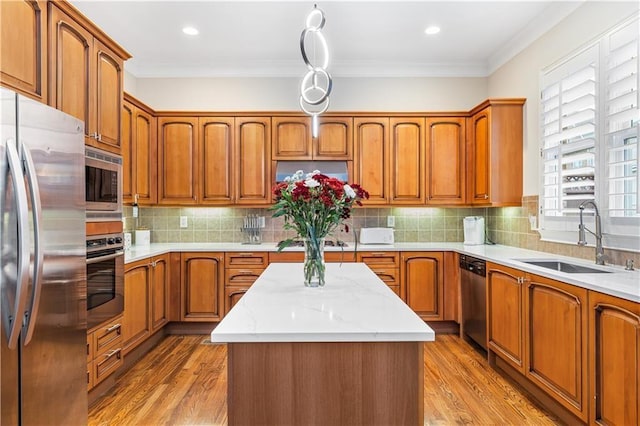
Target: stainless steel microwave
(103, 185)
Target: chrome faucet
(582, 237)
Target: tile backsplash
(505, 225)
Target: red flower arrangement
(314, 204)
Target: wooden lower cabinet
(614, 360)
(555, 341)
(104, 350)
(242, 269)
(386, 265)
(505, 318)
(202, 286)
(146, 299)
(422, 275)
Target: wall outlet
(391, 221)
(184, 223)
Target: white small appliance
(376, 236)
(473, 230)
(143, 237)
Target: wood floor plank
(183, 381)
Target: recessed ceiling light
(432, 30)
(190, 31)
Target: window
(589, 139)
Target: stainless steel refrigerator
(42, 265)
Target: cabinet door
(335, 139)
(291, 138)
(253, 158)
(177, 160)
(407, 161)
(136, 326)
(505, 320)
(107, 90)
(159, 292)
(70, 67)
(446, 160)
(614, 360)
(202, 286)
(127, 144)
(23, 47)
(422, 275)
(479, 151)
(145, 155)
(556, 317)
(232, 295)
(371, 158)
(216, 160)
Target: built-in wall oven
(105, 277)
(103, 185)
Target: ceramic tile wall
(223, 224)
(506, 225)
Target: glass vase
(314, 266)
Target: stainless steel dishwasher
(473, 297)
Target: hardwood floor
(183, 381)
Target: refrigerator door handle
(14, 324)
(36, 205)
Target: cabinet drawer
(243, 277)
(106, 364)
(286, 257)
(390, 276)
(107, 337)
(232, 295)
(246, 259)
(298, 256)
(380, 258)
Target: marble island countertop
(618, 282)
(353, 306)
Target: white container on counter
(473, 230)
(143, 237)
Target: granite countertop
(618, 282)
(353, 306)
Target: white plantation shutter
(621, 119)
(589, 131)
(569, 101)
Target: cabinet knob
(486, 196)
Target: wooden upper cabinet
(422, 275)
(446, 165)
(614, 354)
(505, 316)
(556, 341)
(335, 139)
(291, 138)
(216, 160)
(253, 159)
(109, 81)
(139, 148)
(407, 155)
(23, 47)
(70, 67)
(178, 144)
(86, 75)
(371, 158)
(494, 153)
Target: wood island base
(341, 383)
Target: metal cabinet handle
(245, 254)
(113, 328)
(377, 254)
(112, 353)
(486, 196)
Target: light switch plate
(391, 221)
(184, 222)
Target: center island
(349, 353)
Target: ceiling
(365, 38)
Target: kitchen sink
(558, 265)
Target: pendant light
(317, 83)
